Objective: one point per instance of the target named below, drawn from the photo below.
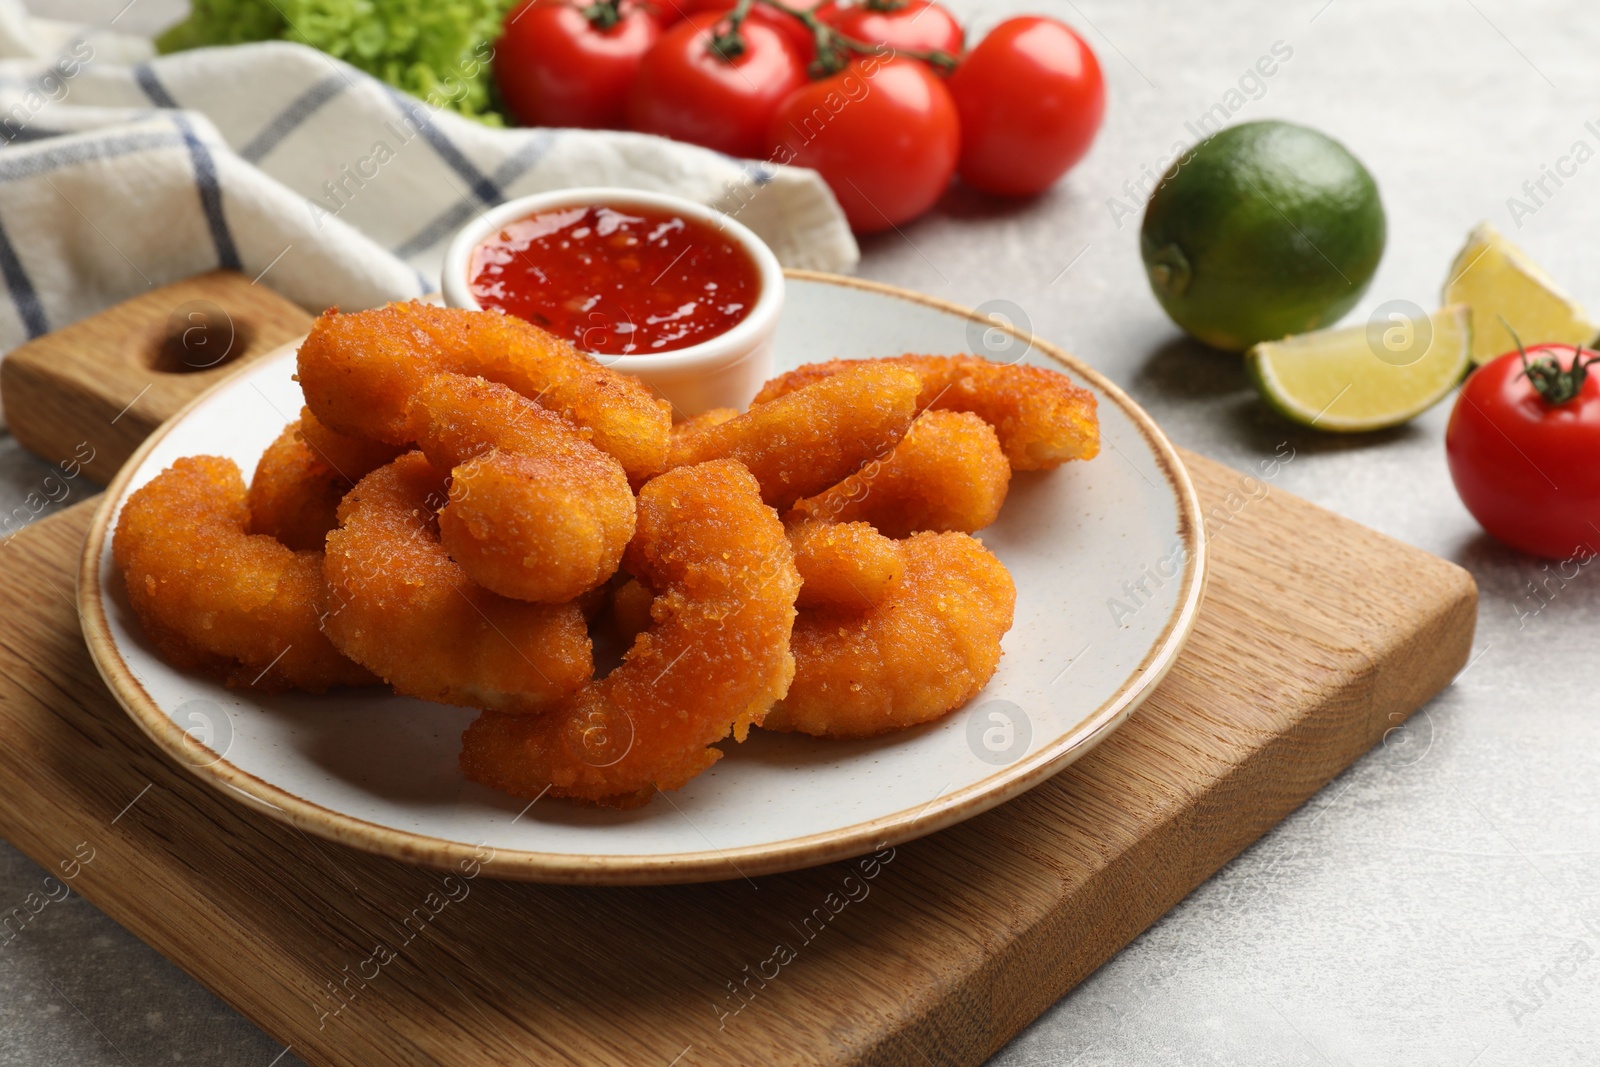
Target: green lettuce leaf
(438, 50)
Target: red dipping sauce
(617, 280)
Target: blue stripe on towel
(21, 288)
(205, 169)
(205, 180)
(26, 134)
(29, 163)
(441, 227)
(525, 158)
(145, 75)
(292, 117)
(484, 189)
(445, 224)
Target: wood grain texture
(1317, 636)
(110, 379)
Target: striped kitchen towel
(120, 171)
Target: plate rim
(713, 864)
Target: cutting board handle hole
(197, 336)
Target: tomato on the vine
(688, 90)
(904, 25)
(792, 28)
(1031, 98)
(1522, 443)
(882, 133)
(559, 63)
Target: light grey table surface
(1435, 904)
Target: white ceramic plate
(1109, 572)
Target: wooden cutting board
(1317, 638)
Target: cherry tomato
(1525, 467)
(913, 26)
(882, 133)
(1031, 98)
(687, 91)
(792, 28)
(556, 68)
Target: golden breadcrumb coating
(812, 438)
(703, 421)
(536, 512)
(1041, 418)
(714, 661)
(630, 609)
(948, 473)
(303, 475)
(360, 371)
(214, 597)
(398, 604)
(919, 653)
(846, 564)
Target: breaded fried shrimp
(1041, 418)
(625, 418)
(359, 371)
(213, 596)
(301, 478)
(926, 649)
(293, 494)
(807, 440)
(715, 659)
(536, 512)
(948, 473)
(704, 421)
(353, 457)
(399, 604)
(845, 564)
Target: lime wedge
(1364, 377)
(1496, 279)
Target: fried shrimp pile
(536, 512)
(1041, 418)
(948, 473)
(925, 648)
(464, 498)
(809, 439)
(399, 605)
(714, 661)
(214, 597)
(361, 371)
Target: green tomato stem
(603, 14)
(834, 49)
(1554, 384)
(727, 43)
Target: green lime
(1264, 229)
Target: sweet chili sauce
(617, 280)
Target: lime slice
(1496, 279)
(1364, 377)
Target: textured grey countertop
(1435, 904)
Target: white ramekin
(725, 371)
